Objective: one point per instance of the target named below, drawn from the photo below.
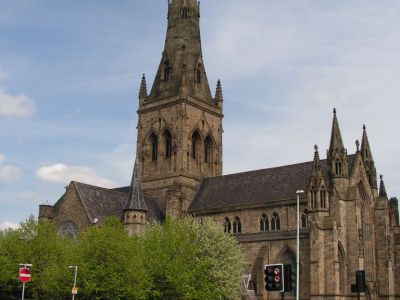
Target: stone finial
(317, 163)
(143, 88)
(219, 98)
(382, 189)
(358, 145)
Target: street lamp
(298, 193)
(76, 273)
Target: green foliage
(180, 259)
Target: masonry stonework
(347, 221)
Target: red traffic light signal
(274, 278)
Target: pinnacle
(382, 189)
(135, 199)
(143, 88)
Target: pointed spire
(337, 154)
(143, 88)
(336, 136)
(365, 148)
(317, 163)
(135, 199)
(182, 51)
(382, 189)
(219, 98)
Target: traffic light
(274, 278)
(289, 278)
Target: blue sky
(70, 73)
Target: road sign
(24, 275)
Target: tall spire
(365, 147)
(382, 189)
(182, 60)
(368, 160)
(337, 154)
(135, 199)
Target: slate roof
(101, 203)
(255, 188)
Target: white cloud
(17, 106)
(7, 225)
(8, 173)
(63, 173)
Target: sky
(70, 73)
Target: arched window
(167, 72)
(304, 220)
(154, 146)
(322, 197)
(195, 143)
(338, 167)
(342, 269)
(275, 222)
(168, 143)
(184, 13)
(69, 230)
(237, 225)
(314, 194)
(264, 224)
(199, 74)
(208, 145)
(227, 225)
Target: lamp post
(76, 273)
(298, 193)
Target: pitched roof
(255, 188)
(101, 203)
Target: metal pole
(298, 246)
(23, 291)
(75, 275)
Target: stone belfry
(180, 123)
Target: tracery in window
(322, 197)
(275, 222)
(264, 224)
(338, 167)
(195, 143)
(237, 225)
(69, 230)
(227, 225)
(208, 145)
(314, 197)
(168, 143)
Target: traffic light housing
(289, 278)
(274, 278)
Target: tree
(109, 263)
(191, 260)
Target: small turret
(369, 164)
(337, 153)
(219, 98)
(46, 212)
(135, 208)
(317, 191)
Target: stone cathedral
(348, 222)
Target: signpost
(74, 289)
(25, 276)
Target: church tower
(180, 123)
